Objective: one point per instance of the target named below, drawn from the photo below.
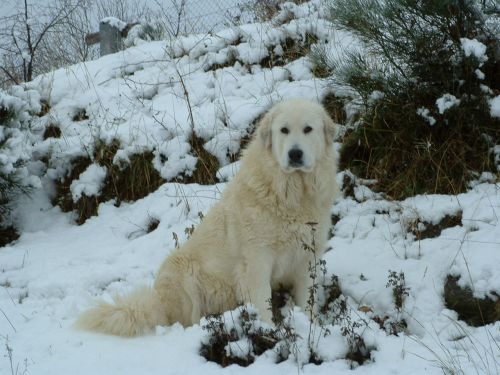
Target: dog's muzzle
(295, 158)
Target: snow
(425, 113)
(115, 22)
(495, 106)
(139, 94)
(446, 102)
(472, 47)
(57, 269)
(240, 348)
(227, 172)
(496, 153)
(89, 182)
(376, 95)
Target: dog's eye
(307, 129)
(284, 130)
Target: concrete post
(110, 33)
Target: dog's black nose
(295, 156)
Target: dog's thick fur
(252, 240)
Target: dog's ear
(264, 130)
(330, 128)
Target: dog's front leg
(255, 286)
(300, 291)
(303, 284)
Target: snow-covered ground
(57, 269)
(138, 97)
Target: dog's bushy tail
(133, 315)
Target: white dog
(253, 240)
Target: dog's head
(297, 132)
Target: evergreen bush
(427, 73)
(14, 176)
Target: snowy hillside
(168, 107)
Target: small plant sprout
(395, 325)
(396, 281)
(317, 274)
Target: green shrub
(14, 176)
(426, 73)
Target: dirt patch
(474, 311)
(64, 198)
(52, 131)
(424, 229)
(80, 115)
(44, 109)
(152, 224)
(207, 165)
(8, 235)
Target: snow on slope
(57, 269)
(138, 96)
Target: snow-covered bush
(14, 176)
(236, 337)
(95, 178)
(333, 331)
(433, 66)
